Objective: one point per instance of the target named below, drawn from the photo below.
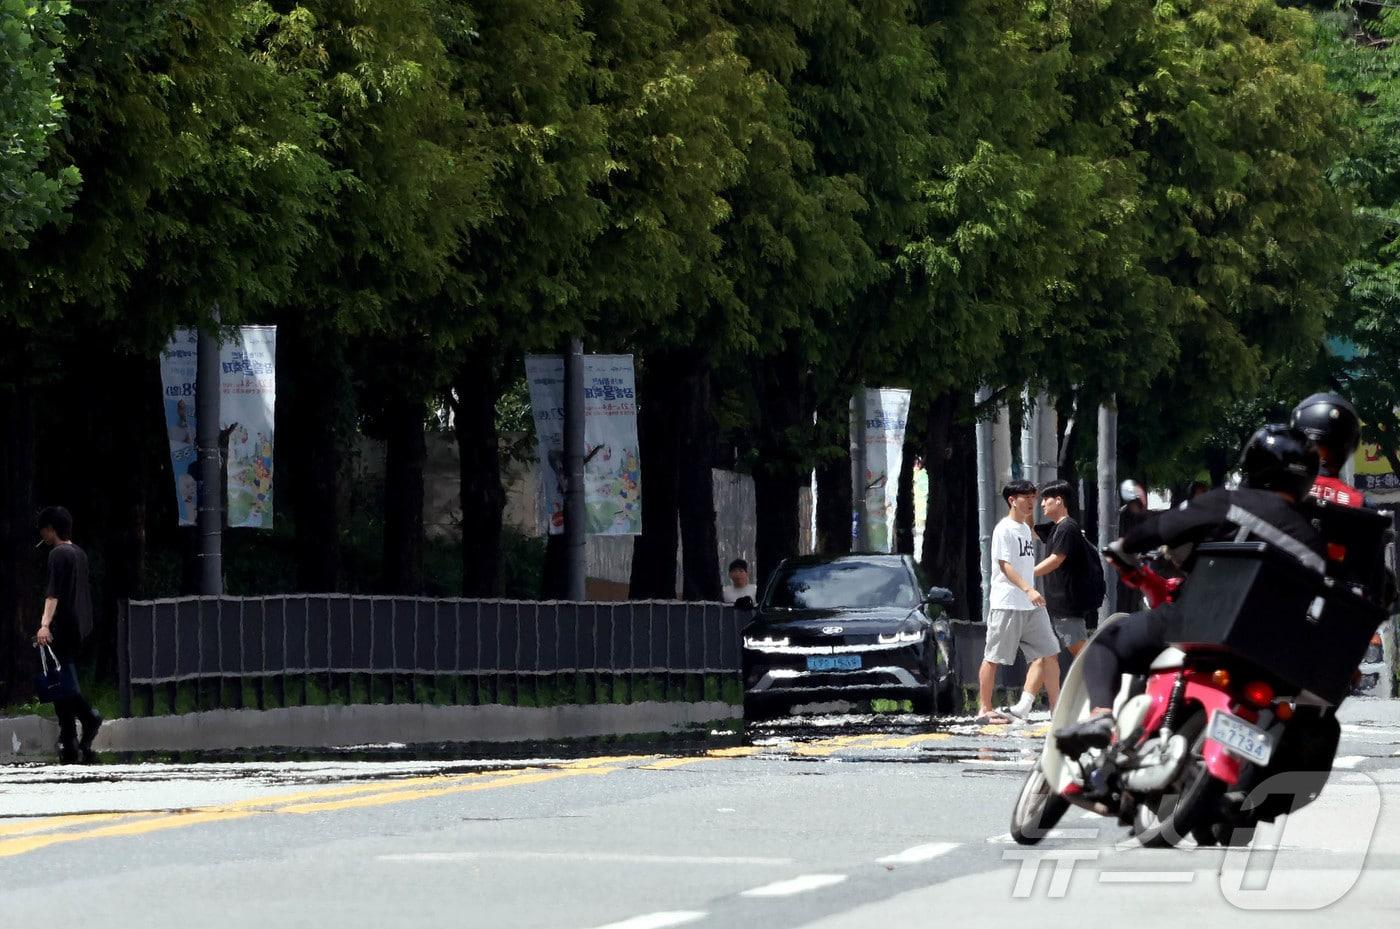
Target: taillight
(1258, 694)
(1284, 711)
(1221, 678)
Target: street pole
(1108, 497)
(575, 508)
(210, 519)
(860, 516)
(986, 494)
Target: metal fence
(224, 641)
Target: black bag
(55, 681)
(1087, 586)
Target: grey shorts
(1027, 630)
(1070, 629)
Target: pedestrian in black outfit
(66, 623)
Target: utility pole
(1108, 497)
(860, 515)
(210, 519)
(986, 494)
(575, 502)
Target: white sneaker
(1021, 709)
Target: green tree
(33, 191)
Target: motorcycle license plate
(1249, 742)
(833, 663)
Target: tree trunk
(654, 551)
(478, 387)
(18, 560)
(952, 556)
(904, 502)
(312, 434)
(782, 470)
(406, 452)
(834, 483)
(1218, 463)
(695, 481)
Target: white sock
(1024, 705)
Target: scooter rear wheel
(1037, 810)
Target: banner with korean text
(247, 404)
(612, 459)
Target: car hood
(852, 622)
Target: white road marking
(795, 885)
(657, 920)
(1146, 877)
(1347, 762)
(602, 857)
(919, 853)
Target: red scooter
(1205, 725)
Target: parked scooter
(1266, 652)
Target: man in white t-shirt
(1017, 618)
(739, 585)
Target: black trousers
(72, 710)
(1127, 646)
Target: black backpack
(1087, 586)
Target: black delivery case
(1254, 601)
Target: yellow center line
(12, 847)
(68, 820)
(371, 794)
(401, 796)
(665, 764)
(908, 741)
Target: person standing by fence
(66, 622)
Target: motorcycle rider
(1331, 422)
(1279, 465)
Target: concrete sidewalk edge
(31, 737)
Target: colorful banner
(178, 364)
(886, 417)
(248, 396)
(612, 466)
(248, 376)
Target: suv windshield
(842, 585)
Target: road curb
(31, 737)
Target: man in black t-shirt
(66, 622)
(1063, 563)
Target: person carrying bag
(67, 621)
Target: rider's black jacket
(1219, 515)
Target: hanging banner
(177, 376)
(248, 395)
(882, 434)
(248, 376)
(612, 466)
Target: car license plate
(1247, 741)
(833, 662)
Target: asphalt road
(828, 822)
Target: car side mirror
(744, 603)
(940, 596)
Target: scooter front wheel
(1037, 809)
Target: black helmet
(1279, 457)
(1331, 421)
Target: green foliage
(34, 191)
(1363, 63)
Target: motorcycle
(1209, 722)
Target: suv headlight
(903, 637)
(765, 642)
